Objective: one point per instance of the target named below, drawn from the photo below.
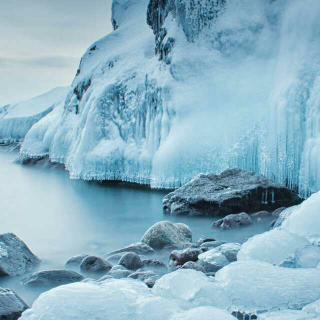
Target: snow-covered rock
(274, 246)
(289, 315)
(16, 259)
(232, 191)
(166, 233)
(11, 305)
(213, 260)
(17, 119)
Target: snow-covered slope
(188, 86)
(17, 119)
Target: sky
(42, 41)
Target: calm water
(58, 217)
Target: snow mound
(305, 219)
(17, 119)
(274, 246)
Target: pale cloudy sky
(42, 41)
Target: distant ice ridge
(17, 119)
(183, 87)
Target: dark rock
(16, 259)
(190, 245)
(95, 265)
(233, 221)
(276, 213)
(211, 244)
(210, 274)
(179, 258)
(51, 278)
(131, 261)
(138, 248)
(11, 305)
(244, 316)
(166, 233)
(75, 262)
(232, 191)
(204, 240)
(193, 265)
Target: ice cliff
(187, 86)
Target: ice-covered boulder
(304, 257)
(193, 266)
(289, 315)
(313, 307)
(119, 272)
(304, 220)
(16, 259)
(110, 299)
(274, 246)
(213, 260)
(233, 221)
(203, 313)
(255, 286)
(230, 250)
(232, 191)
(51, 278)
(11, 305)
(17, 119)
(166, 233)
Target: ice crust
(228, 87)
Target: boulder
(232, 191)
(154, 265)
(166, 233)
(148, 277)
(119, 272)
(114, 259)
(131, 261)
(230, 250)
(11, 305)
(180, 257)
(95, 265)
(75, 262)
(193, 265)
(16, 259)
(261, 215)
(276, 213)
(233, 221)
(138, 248)
(51, 278)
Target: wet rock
(232, 191)
(16, 259)
(115, 258)
(190, 245)
(204, 240)
(148, 277)
(166, 233)
(75, 262)
(276, 213)
(51, 278)
(179, 258)
(193, 265)
(138, 248)
(212, 244)
(95, 265)
(233, 221)
(131, 261)
(11, 305)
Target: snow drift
(183, 87)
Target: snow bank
(17, 119)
